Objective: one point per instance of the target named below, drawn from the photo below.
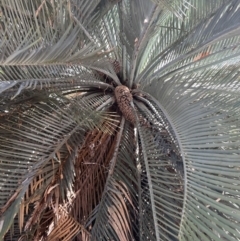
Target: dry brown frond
(66, 227)
(91, 170)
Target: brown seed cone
(124, 99)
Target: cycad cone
(124, 99)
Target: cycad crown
(119, 120)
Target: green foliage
(72, 167)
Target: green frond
(207, 44)
(39, 41)
(38, 53)
(11, 89)
(206, 122)
(165, 186)
(177, 7)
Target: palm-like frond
(111, 217)
(164, 183)
(38, 139)
(208, 136)
(73, 165)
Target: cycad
(119, 120)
